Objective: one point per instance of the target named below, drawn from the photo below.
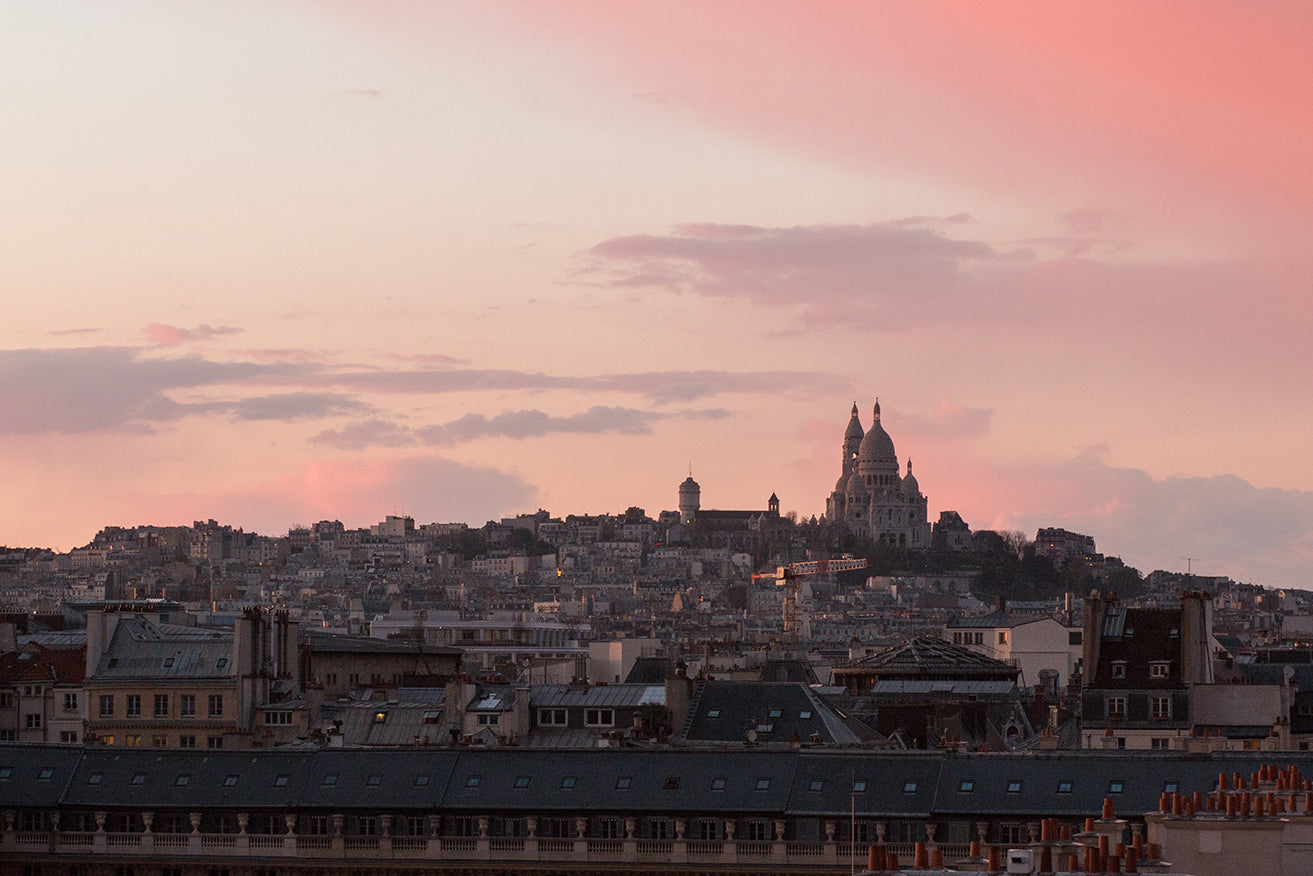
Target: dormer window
(1158, 669)
(1119, 669)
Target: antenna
(1188, 562)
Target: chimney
(679, 691)
(520, 723)
(1094, 612)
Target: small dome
(689, 484)
(856, 486)
(910, 486)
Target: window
(329, 780)
(182, 779)
(1116, 708)
(859, 786)
(757, 831)
(161, 705)
(380, 717)
(803, 716)
(214, 742)
(5, 773)
(473, 781)
(521, 782)
(551, 717)
(713, 713)
(278, 717)
(230, 781)
(373, 781)
(622, 783)
(1002, 637)
(1158, 670)
(95, 778)
(599, 717)
(817, 785)
(70, 702)
(160, 740)
(168, 662)
(1159, 743)
(718, 784)
(1119, 669)
(186, 741)
(187, 705)
(33, 720)
(6, 700)
(138, 778)
(1075, 637)
(1170, 788)
(1064, 787)
(567, 783)
(486, 719)
(221, 663)
(763, 784)
(774, 713)
(609, 828)
(133, 708)
(1014, 786)
(671, 783)
(68, 736)
(216, 705)
(421, 781)
(45, 774)
(1115, 786)
(966, 786)
(280, 780)
(1160, 708)
(909, 787)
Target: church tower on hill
(870, 498)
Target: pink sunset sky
(273, 262)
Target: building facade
(871, 498)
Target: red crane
(787, 577)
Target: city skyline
(271, 263)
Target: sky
(282, 261)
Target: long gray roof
(748, 781)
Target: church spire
(877, 409)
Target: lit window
(1115, 786)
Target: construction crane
(787, 577)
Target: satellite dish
(752, 735)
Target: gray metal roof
(607, 695)
(141, 650)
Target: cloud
(171, 336)
(91, 388)
(519, 425)
(290, 406)
(367, 433)
(890, 272)
(535, 424)
(1229, 526)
